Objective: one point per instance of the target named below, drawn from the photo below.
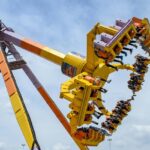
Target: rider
(107, 125)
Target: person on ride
(114, 120)
(124, 105)
(140, 68)
(137, 78)
(120, 112)
(108, 126)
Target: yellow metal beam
(34, 47)
(98, 29)
(19, 108)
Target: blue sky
(63, 25)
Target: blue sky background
(63, 25)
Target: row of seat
(142, 36)
(118, 113)
(120, 45)
(137, 78)
(90, 135)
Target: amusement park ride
(106, 47)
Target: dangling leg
(108, 81)
(133, 41)
(103, 90)
(112, 66)
(133, 45)
(128, 49)
(125, 53)
(120, 57)
(118, 61)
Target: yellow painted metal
(147, 43)
(85, 99)
(118, 41)
(124, 67)
(148, 62)
(17, 103)
(146, 33)
(146, 24)
(78, 90)
(76, 61)
(92, 59)
(104, 71)
(94, 135)
(100, 104)
(52, 55)
(22, 118)
(70, 90)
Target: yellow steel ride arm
(36, 48)
(18, 105)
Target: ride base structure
(106, 49)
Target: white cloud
(142, 128)
(60, 146)
(2, 146)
